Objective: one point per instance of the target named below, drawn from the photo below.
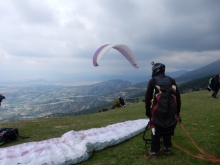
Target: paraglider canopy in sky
(123, 49)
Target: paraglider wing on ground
(123, 49)
(72, 147)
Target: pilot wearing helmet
(162, 124)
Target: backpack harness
(164, 107)
(9, 134)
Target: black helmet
(156, 68)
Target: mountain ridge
(210, 69)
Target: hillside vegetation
(200, 116)
(195, 85)
(212, 68)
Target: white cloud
(62, 36)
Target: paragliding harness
(9, 134)
(149, 140)
(213, 82)
(164, 105)
(210, 85)
(213, 85)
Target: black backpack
(164, 108)
(8, 134)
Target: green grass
(200, 116)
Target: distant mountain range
(210, 69)
(183, 76)
(138, 78)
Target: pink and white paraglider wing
(123, 49)
(72, 147)
(127, 53)
(100, 52)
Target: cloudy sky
(49, 38)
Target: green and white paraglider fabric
(72, 147)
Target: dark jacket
(215, 83)
(1, 97)
(121, 100)
(149, 95)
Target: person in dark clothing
(121, 101)
(1, 98)
(158, 73)
(214, 85)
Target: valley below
(35, 101)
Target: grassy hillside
(200, 116)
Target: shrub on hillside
(115, 103)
